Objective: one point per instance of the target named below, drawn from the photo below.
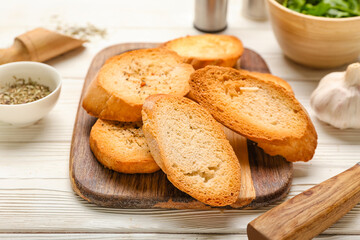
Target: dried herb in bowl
(325, 8)
(22, 91)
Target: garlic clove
(352, 75)
(336, 100)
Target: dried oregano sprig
(22, 91)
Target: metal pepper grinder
(210, 15)
(254, 9)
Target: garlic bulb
(336, 100)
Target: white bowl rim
(318, 18)
(38, 64)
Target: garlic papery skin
(352, 75)
(336, 100)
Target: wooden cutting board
(265, 179)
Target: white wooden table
(36, 199)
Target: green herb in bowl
(325, 8)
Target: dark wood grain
(271, 175)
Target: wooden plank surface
(268, 178)
(148, 236)
(35, 193)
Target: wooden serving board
(265, 179)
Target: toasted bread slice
(121, 147)
(269, 77)
(191, 148)
(207, 49)
(259, 110)
(125, 81)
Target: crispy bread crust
(118, 157)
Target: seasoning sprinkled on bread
(125, 81)
(121, 147)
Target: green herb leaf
(318, 10)
(325, 8)
(296, 5)
(337, 13)
(337, 3)
(354, 5)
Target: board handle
(311, 212)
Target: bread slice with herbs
(121, 147)
(260, 110)
(125, 81)
(191, 148)
(208, 49)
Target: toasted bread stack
(118, 93)
(145, 122)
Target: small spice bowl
(21, 115)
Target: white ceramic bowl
(21, 115)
